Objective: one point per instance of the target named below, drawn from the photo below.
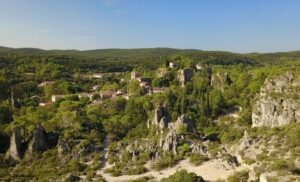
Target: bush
(282, 164)
(164, 162)
(136, 170)
(197, 159)
(241, 176)
(183, 176)
(184, 149)
(76, 166)
(142, 179)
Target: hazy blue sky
(231, 25)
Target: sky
(229, 25)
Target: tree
(134, 87)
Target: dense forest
(62, 117)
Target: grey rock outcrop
(185, 75)
(278, 103)
(139, 146)
(246, 141)
(39, 142)
(219, 80)
(200, 148)
(161, 117)
(170, 142)
(183, 120)
(13, 154)
(68, 149)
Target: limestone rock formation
(161, 117)
(69, 149)
(39, 140)
(200, 148)
(14, 152)
(278, 102)
(219, 80)
(246, 141)
(183, 120)
(170, 142)
(139, 146)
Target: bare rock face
(170, 142)
(161, 117)
(14, 152)
(68, 149)
(39, 142)
(219, 80)
(278, 103)
(183, 120)
(139, 146)
(246, 141)
(200, 148)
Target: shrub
(136, 170)
(114, 171)
(181, 129)
(197, 159)
(183, 176)
(241, 176)
(76, 166)
(164, 162)
(142, 179)
(261, 157)
(249, 161)
(282, 164)
(184, 149)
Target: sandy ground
(211, 170)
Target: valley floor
(211, 170)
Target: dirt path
(211, 170)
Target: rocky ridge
(278, 102)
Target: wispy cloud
(120, 12)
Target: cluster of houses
(145, 84)
(184, 75)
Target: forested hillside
(109, 115)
